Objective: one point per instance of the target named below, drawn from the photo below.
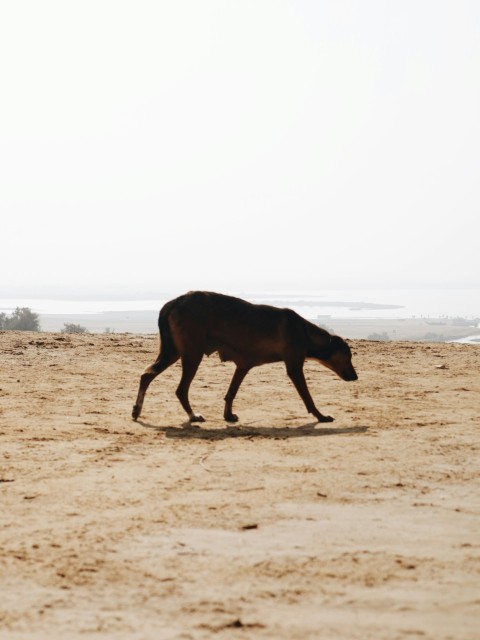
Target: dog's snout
(351, 376)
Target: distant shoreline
(427, 315)
(145, 322)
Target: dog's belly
(242, 358)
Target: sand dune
(272, 528)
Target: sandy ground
(272, 528)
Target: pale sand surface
(272, 528)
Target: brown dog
(201, 322)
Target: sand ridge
(272, 528)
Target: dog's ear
(339, 345)
(318, 336)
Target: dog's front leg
(296, 375)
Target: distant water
(384, 303)
(342, 303)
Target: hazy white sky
(230, 143)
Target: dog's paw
(322, 418)
(196, 417)
(136, 411)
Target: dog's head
(337, 356)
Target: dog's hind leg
(190, 365)
(161, 363)
(296, 375)
(237, 380)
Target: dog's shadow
(187, 431)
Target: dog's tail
(167, 345)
